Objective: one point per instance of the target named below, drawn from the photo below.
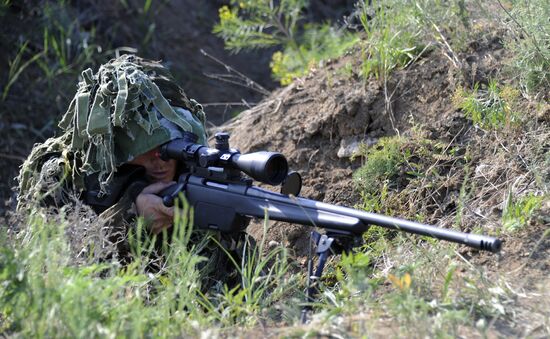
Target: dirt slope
(318, 121)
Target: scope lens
(276, 169)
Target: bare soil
(314, 120)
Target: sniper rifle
(225, 200)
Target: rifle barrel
(348, 219)
(224, 207)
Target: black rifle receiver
(224, 200)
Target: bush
(393, 37)
(318, 42)
(381, 166)
(529, 42)
(255, 24)
(398, 32)
(490, 106)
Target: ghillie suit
(127, 108)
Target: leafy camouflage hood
(127, 108)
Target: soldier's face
(156, 169)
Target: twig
(214, 104)
(388, 102)
(412, 61)
(451, 57)
(12, 156)
(237, 78)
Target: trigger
(169, 194)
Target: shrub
(255, 24)
(529, 42)
(393, 36)
(398, 32)
(318, 42)
(382, 164)
(490, 106)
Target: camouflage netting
(127, 108)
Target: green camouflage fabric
(127, 108)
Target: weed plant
(45, 294)
(529, 42)
(381, 167)
(490, 106)
(519, 210)
(427, 287)
(400, 32)
(49, 41)
(255, 24)
(317, 43)
(392, 37)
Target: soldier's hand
(149, 205)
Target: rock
(351, 146)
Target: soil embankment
(318, 121)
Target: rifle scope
(267, 167)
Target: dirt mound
(319, 121)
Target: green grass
(317, 43)
(529, 42)
(394, 283)
(400, 32)
(46, 293)
(519, 210)
(381, 166)
(490, 106)
(392, 37)
(409, 284)
(253, 24)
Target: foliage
(399, 32)
(489, 107)
(50, 43)
(255, 24)
(519, 210)
(264, 282)
(45, 294)
(422, 286)
(382, 165)
(392, 37)
(318, 42)
(529, 43)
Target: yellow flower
(226, 14)
(403, 283)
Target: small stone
(481, 324)
(351, 146)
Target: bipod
(326, 244)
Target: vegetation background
(487, 171)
